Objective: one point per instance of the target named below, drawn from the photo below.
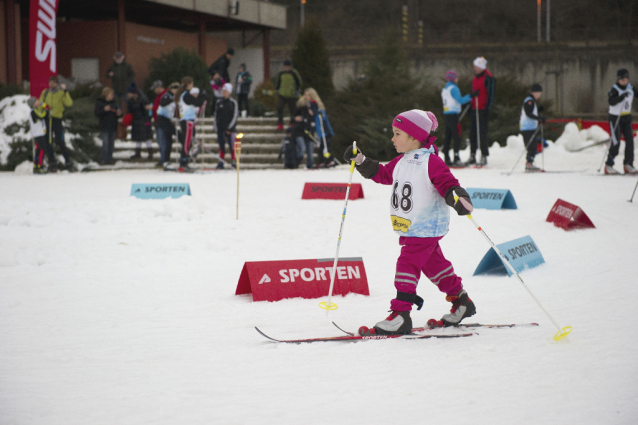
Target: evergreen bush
(310, 57)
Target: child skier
(528, 125)
(38, 117)
(188, 101)
(422, 186)
(621, 96)
(452, 102)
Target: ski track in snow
(120, 310)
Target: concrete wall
(576, 80)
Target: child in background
(528, 124)
(188, 100)
(39, 116)
(620, 98)
(452, 102)
(422, 186)
(226, 114)
(244, 80)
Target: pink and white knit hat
(418, 124)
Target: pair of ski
(417, 333)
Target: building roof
(183, 15)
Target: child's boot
(471, 161)
(462, 307)
(397, 323)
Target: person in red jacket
(483, 98)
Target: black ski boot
(462, 307)
(471, 161)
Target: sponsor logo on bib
(400, 223)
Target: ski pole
(632, 195)
(478, 128)
(326, 154)
(613, 136)
(542, 149)
(524, 152)
(329, 305)
(464, 112)
(237, 154)
(562, 332)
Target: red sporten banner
(568, 216)
(42, 44)
(276, 280)
(331, 191)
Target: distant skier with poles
(188, 99)
(483, 85)
(317, 112)
(422, 186)
(621, 96)
(452, 102)
(528, 124)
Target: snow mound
(594, 133)
(14, 111)
(571, 138)
(25, 167)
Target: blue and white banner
(492, 199)
(522, 253)
(160, 190)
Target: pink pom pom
(435, 123)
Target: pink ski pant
(423, 255)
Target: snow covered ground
(120, 310)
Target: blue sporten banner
(160, 190)
(492, 199)
(522, 253)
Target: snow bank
(14, 115)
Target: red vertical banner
(42, 44)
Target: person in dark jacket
(221, 64)
(528, 124)
(39, 121)
(164, 128)
(620, 98)
(226, 113)
(107, 110)
(288, 85)
(122, 75)
(482, 94)
(138, 105)
(244, 80)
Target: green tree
(175, 65)
(310, 57)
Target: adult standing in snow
(316, 113)
(221, 64)
(121, 74)
(528, 124)
(140, 108)
(159, 90)
(164, 128)
(288, 84)
(244, 80)
(452, 102)
(58, 100)
(621, 96)
(483, 85)
(422, 186)
(226, 114)
(107, 110)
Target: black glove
(542, 120)
(624, 95)
(349, 156)
(464, 205)
(474, 93)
